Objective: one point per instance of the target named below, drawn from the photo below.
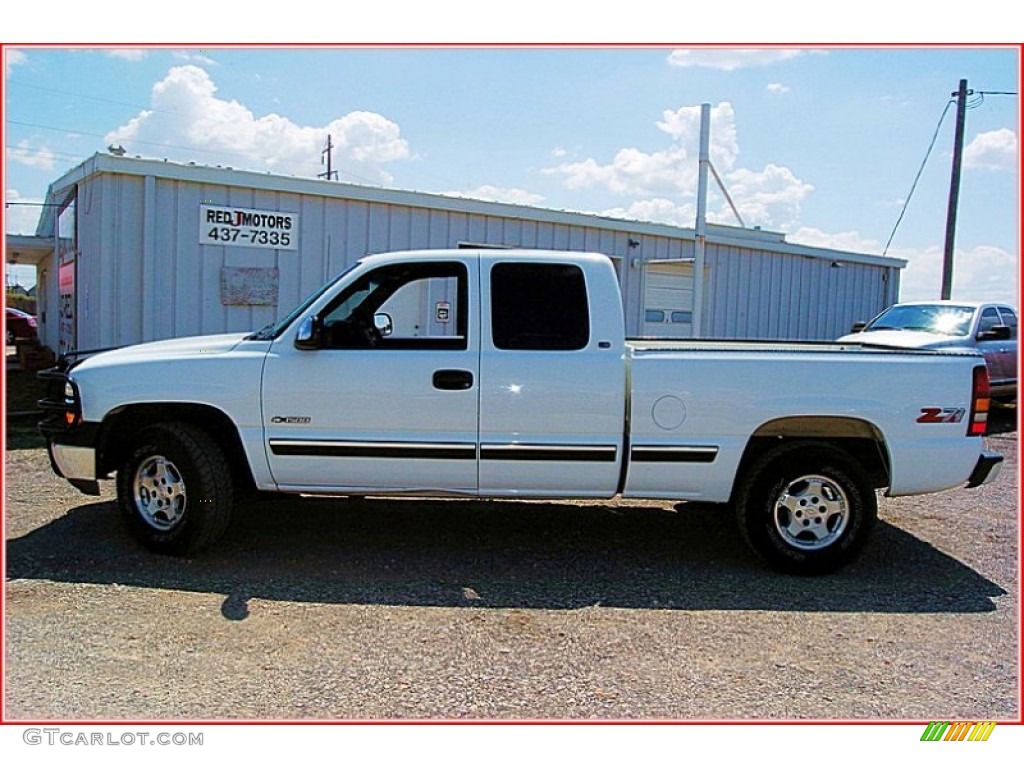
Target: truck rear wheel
(175, 489)
(806, 508)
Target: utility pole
(954, 188)
(328, 174)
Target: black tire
(175, 490)
(806, 508)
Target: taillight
(980, 402)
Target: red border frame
(476, 45)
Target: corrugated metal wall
(763, 294)
(143, 274)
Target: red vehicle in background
(20, 325)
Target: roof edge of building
(757, 238)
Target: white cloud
(13, 57)
(777, 89)
(194, 58)
(192, 123)
(126, 54)
(979, 274)
(731, 59)
(994, 150)
(840, 241)
(21, 219)
(770, 197)
(631, 172)
(659, 210)
(683, 125)
(665, 172)
(41, 158)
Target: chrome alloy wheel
(159, 493)
(811, 513)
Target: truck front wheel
(175, 490)
(806, 508)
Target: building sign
(66, 278)
(247, 228)
(66, 307)
(67, 258)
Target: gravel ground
(386, 609)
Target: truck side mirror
(310, 333)
(383, 323)
(995, 333)
(858, 327)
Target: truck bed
(700, 401)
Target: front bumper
(73, 462)
(70, 441)
(986, 470)
(76, 464)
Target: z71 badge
(941, 416)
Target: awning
(26, 249)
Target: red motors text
(248, 219)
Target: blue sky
(820, 143)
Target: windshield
(274, 330)
(942, 319)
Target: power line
(978, 97)
(60, 129)
(16, 150)
(219, 152)
(917, 177)
(91, 98)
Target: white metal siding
(769, 295)
(143, 274)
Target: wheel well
(121, 428)
(860, 439)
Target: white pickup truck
(506, 374)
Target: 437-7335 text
(256, 237)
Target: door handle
(453, 379)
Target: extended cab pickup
(506, 374)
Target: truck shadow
(497, 555)
(1002, 419)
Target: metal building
(130, 250)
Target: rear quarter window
(1009, 320)
(539, 307)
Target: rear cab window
(989, 319)
(539, 307)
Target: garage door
(668, 300)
